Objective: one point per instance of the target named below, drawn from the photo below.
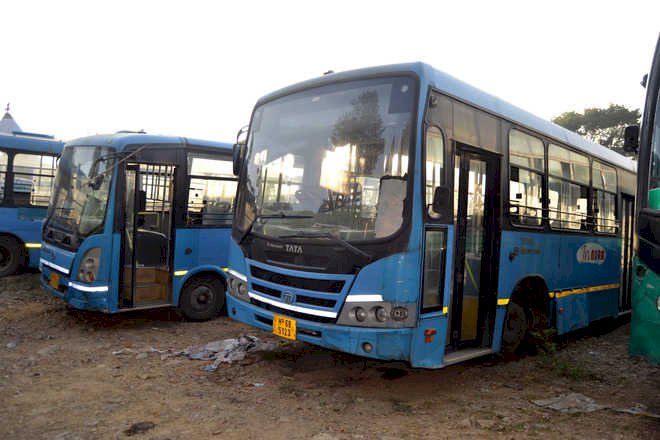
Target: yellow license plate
(284, 327)
(54, 280)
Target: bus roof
(121, 140)
(474, 96)
(30, 142)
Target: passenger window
(527, 163)
(212, 191)
(3, 173)
(435, 154)
(568, 188)
(604, 197)
(33, 179)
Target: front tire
(11, 256)
(202, 298)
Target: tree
(602, 125)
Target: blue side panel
(25, 224)
(196, 250)
(572, 265)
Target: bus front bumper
(386, 344)
(97, 301)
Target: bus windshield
(332, 159)
(81, 191)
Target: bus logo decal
(591, 253)
(293, 248)
(288, 297)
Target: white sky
(196, 68)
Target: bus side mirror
(237, 158)
(441, 199)
(631, 139)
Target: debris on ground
(139, 428)
(573, 403)
(570, 403)
(224, 351)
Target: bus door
(627, 240)
(473, 299)
(148, 234)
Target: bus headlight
(657, 303)
(360, 314)
(89, 265)
(380, 314)
(238, 288)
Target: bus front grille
(326, 286)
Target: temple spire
(7, 123)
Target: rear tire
(515, 328)
(11, 256)
(202, 298)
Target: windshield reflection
(331, 159)
(81, 191)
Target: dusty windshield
(81, 190)
(331, 160)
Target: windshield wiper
(269, 216)
(332, 237)
(283, 215)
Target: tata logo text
(288, 297)
(293, 248)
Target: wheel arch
(202, 271)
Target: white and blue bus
(27, 169)
(140, 221)
(398, 213)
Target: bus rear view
(139, 221)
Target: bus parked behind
(398, 213)
(27, 169)
(139, 221)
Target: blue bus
(27, 169)
(398, 213)
(139, 221)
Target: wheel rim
(5, 257)
(202, 298)
(515, 326)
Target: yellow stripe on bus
(503, 301)
(33, 245)
(582, 290)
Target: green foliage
(602, 125)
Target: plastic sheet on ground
(223, 351)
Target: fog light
(380, 313)
(399, 313)
(360, 314)
(367, 347)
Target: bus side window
(603, 180)
(211, 191)
(3, 173)
(527, 160)
(568, 188)
(434, 153)
(33, 179)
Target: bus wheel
(202, 298)
(11, 256)
(515, 328)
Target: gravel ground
(59, 379)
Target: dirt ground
(59, 379)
